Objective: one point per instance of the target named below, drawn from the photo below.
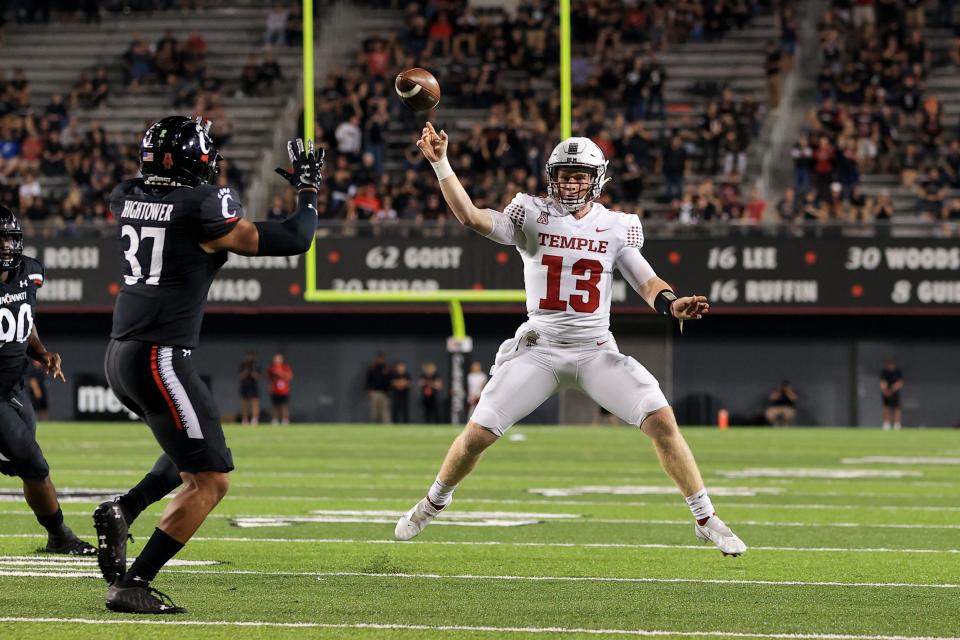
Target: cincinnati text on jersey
(155, 211)
(7, 298)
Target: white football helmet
(576, 153)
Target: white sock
(440, 494)
(700, 505)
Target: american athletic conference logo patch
(544, 217)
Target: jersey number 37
(155, 266)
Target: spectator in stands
(400, 393)
(295, 25)
(931, 194)
(269, 74)
(378, 387)
(950, 217)
(249, 77)
(100, 86)
(774, 74)
(950, 165)
(249, 375)
(166, 58)
(430, 385)
(655, 77)
(276, 25)
(803, 162)
(891, 383)
(349, 138)
(440, 35)
(909, 164)
(787, 207)
(756, 210)
(280, 374)
(674, 161)
(138, 64)
(782, 408)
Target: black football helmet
(11, 240)
(178, 152)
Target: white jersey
(568, 263)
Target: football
(418, 89)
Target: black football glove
(306, 165)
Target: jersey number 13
(588, 301)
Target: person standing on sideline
(476, 381)
(378, 386)
(249, 374)
(280, 375)
(430, 386)
(400, 393)
(891, 382)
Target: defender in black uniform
(175, 230)
(20, 455)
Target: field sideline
(568, 533)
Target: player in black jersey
(175, 230)
(20, 455)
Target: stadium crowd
(615, 62)
(874, 115)
(57, 171)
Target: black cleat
(112, 535)
(140, 599)
(67, 543)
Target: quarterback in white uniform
(570, 245)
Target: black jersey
(166, 274)
(18, 297)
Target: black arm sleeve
(291, 236)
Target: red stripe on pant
(155, 368)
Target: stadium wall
(724, 361)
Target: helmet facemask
(11, 249)
(571, 195)
(573, 156)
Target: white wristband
(442, 168)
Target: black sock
(53, 523)
(162, 479)
(156, 553)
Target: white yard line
(477, 629)
(560, 545)
(507, 578)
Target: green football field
(565, 532)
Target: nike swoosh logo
(600, 344)
(599, 230)
(310, 206)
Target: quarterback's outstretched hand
(50, 360)
(306, 165)
(689, 307)
(433, 144)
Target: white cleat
(715, 531)
(413, 522)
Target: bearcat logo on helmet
(186, 153)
